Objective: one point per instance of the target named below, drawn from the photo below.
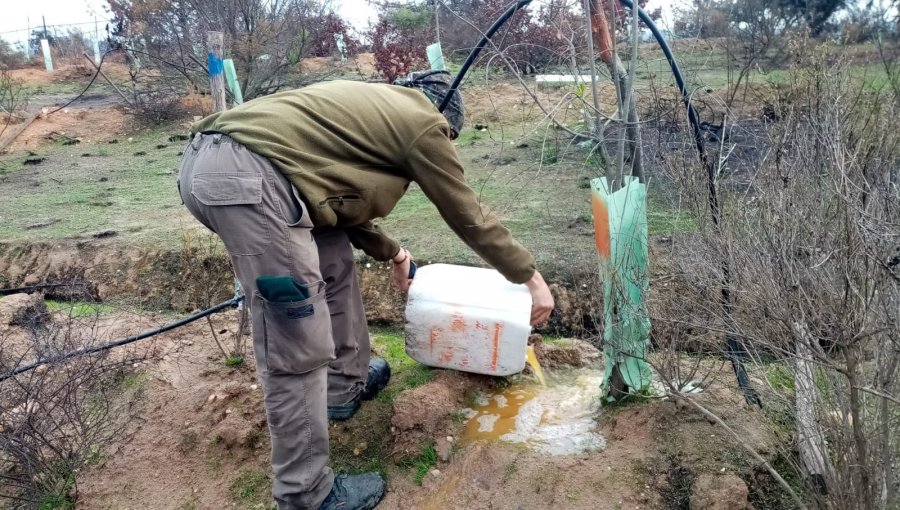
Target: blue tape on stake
(215, 65)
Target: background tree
(400, 37)
(266, 39)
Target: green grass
(664, 219)
(67, 87)
(233, 360)
(406, 372)
(77, 309)
(423, 463)
(71, 195)
(134, 381)
(779, 377)
(250, 486)
(469, 136)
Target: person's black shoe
(355, 492)
(377, 379)
(379, 375)
(343, 412)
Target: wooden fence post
(215, 41)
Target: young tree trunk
(810, 439)
(627, 106)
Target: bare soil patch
(86, 125)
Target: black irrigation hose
(39, 286)
(233, 302)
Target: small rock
(228, 411)
(253, 387)
(435, 473)
(442, 447)
(211, 398)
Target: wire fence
(64, 39)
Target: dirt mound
(77, 124)
(726, 492)
(570, 352)
(422, 415)
(22, 310)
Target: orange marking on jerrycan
(435, 333)
(458, 324)
(498, 328)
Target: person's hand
(400, 266)
(541, 299)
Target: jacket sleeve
(371, 239)
(432, 162)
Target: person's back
(337, 122)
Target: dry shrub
(13, 100)
(57, 419)
(810, 240)
(157, 106)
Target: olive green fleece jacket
(351, 150)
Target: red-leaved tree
(323, 43)
(399, 40)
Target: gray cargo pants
(309, 353)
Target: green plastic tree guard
(435, 56)
(620, 228)
(231, 78)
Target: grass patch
(77, 309)
(133, 381)
(79, 196)
(67, 87)
(406, 372)
(779, 377)
(422, 464)
(250, 486)
(470, 136)
(664, 219)
(188, 441)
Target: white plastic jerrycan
(468, 319)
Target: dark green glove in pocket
(281, 289)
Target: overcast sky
(17, 14)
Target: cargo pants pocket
(234, 203)
(292, 336)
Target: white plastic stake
(48, 60)
(96, 51)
